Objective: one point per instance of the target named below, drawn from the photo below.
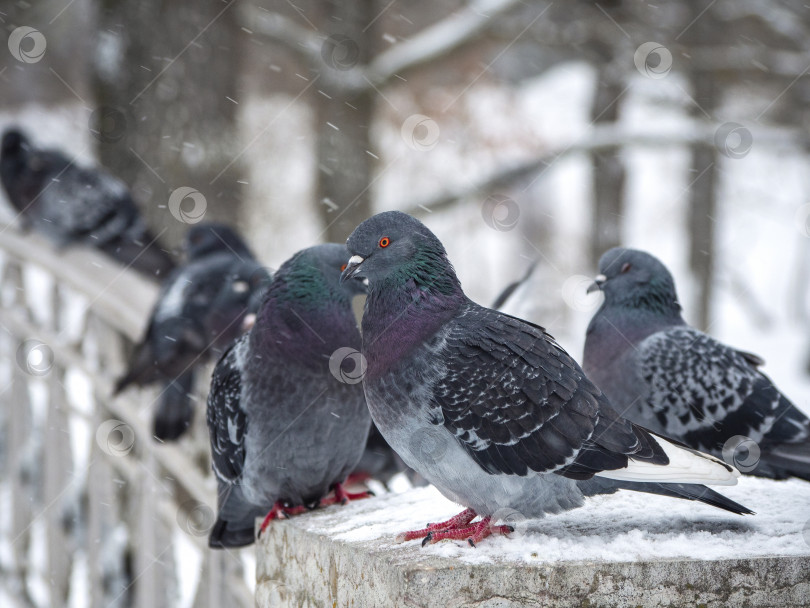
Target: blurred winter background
(519, 131)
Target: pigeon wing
(518, 403)
(227, 421)
(706, 392)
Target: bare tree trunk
(166, 86)
(703, 176)
(608, 170)
(343, 121)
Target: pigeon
(489, 408)
(72, 204)
(198, 315)
(239, 297)
(681, 382)
(287, 417)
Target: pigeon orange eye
(385, 241)
(625, 267)
(342, 268)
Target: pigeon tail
(224, 537)
(695, 492)
(685, 466)
(175, 410)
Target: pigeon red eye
(342, 268)
(385, 241)
(626, 267)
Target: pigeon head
(313, 276)
(204, 239)
(393, 248)
(635, 279)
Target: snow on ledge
(623, 527)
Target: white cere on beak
(355, 260)
(600, 278)
(365, 282)
(241, 286)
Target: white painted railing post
(108, 501)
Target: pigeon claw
(458, 528)
(280, 511)
(458, 521)
(343, 497)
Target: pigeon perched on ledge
(286, 413)
(71, 204)
(488, 407)
(197, 316)
(678, 381)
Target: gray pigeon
(71, 204)
(683, 383)
(197, 316)
(488, 407)
(286, 412)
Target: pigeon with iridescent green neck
(286, 413)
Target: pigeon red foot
(457, 528)
(280, 511)
(342, 497)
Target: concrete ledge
(625, 550)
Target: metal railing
(93, 510)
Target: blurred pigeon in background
(676, 380)
(239, 297)
(286, 412)
(198, 314)
(488, 407)
(72, 204)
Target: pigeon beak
(352, 267)
(598, 281)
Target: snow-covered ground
(626, 526)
